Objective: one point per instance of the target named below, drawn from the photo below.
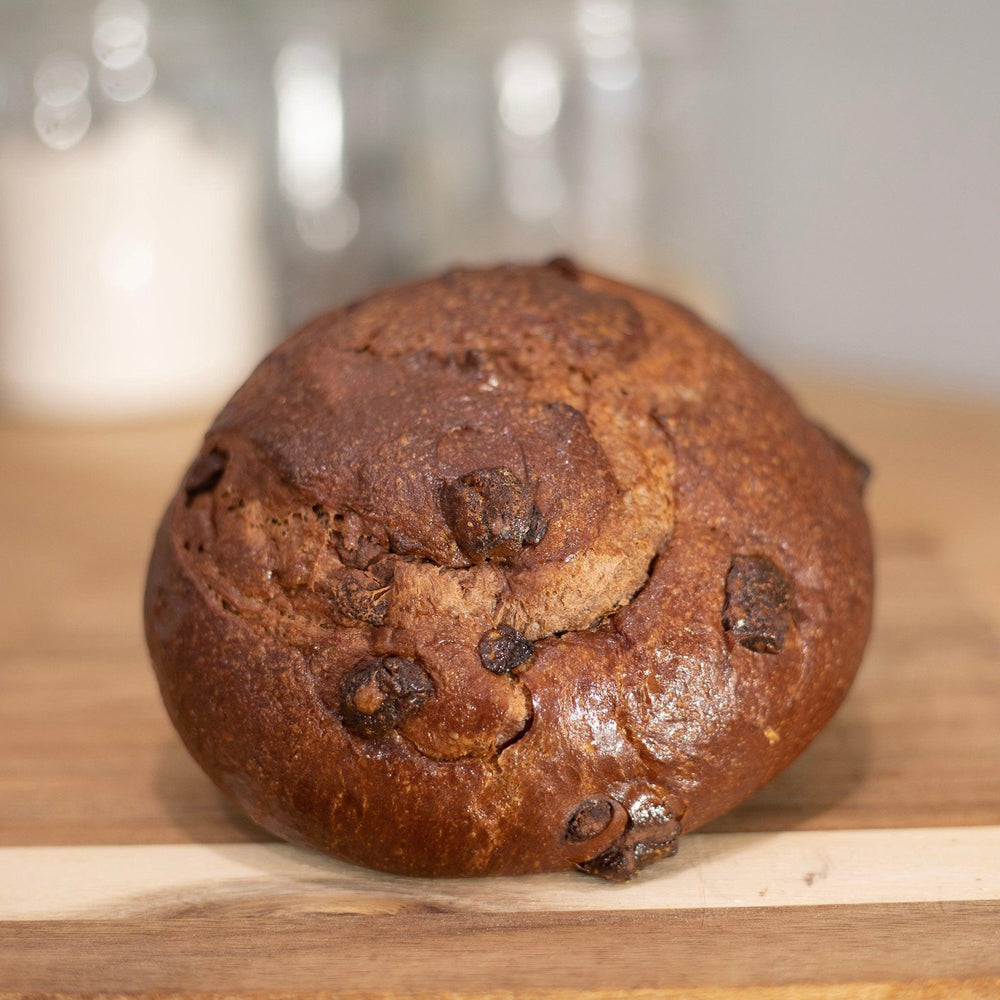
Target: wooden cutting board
(870, 868)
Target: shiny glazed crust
(506, 571)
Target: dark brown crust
(582, 471)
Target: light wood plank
(715, 871)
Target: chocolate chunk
(862, 471)
(850, 460)
(503, 649)
(758, 607)
(359, 598)
(859, 467)
(616, 864)
(491, 514)
(537, 527)
(567, 411)
(645, 852)
(589, 819)
(652, 833)
(379, 694)
(565, 266)
(205, 473)
(620, 863)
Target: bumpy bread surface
(507, 571)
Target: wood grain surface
(249, 947)
(879, 848)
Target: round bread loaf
(510, 570)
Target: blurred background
(182, 182)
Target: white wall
(862, 164)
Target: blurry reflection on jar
(339, 220)
(579, 126)
(411, 137)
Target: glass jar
(411, 137)
(339, 79)
(133, 277)
(569, 126)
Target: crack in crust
(279, 555)
(554, 536)
(278, 558)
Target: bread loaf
(506, 571)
